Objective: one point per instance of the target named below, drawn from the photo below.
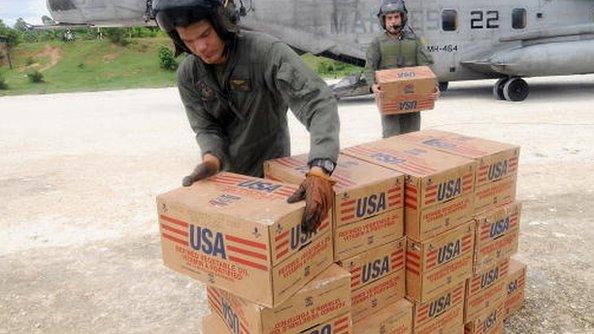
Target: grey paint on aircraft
(60, 5)
(556, 39)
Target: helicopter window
(519, 18)
(449, 20)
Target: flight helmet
(392, 6)
(171, 14)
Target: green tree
(21, 25)
(13, 36)
(167, 59)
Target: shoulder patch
(206, 93)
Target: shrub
(35, 77)
(329, 67)
(144, 32)
(29, 61)
(325, 67)
(167, 59)
(117, 36)
(3, 84)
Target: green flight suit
(241, 116)
(387, 52)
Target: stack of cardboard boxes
(494, 286)
(429, 215)
(239, 236)
(438, 224)
(368, 232)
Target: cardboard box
(405, 90)
(362, 189)
(490, 322)
(497, 234)
(213, 324)
(393, 319)
(375, 264)
(438, 187)
(327, 296)
(415, 80)
(367, 205)
(339, 325)
(484, 290)
(515, 280)
(436, 265)
(442, 314)
(364, 235)
(377, 295)
(239, 234)
(496, 172)
(406, 104)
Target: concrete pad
(79, 250)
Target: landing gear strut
(511, 89)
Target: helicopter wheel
(516, 89)
(498, 88)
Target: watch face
(328, 165)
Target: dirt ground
(79, 249)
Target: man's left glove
(317, 191)
(208, 167)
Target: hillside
(101, 65)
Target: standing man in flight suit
(396, 46)
(237, 87)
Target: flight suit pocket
(211, 101)
(242, 95)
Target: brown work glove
(209, 166)
(317, 191)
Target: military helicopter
(469, 40)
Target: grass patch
(328, 68)
(87, 66)
(91, 65)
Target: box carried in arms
(406, 90)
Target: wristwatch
(326, 164)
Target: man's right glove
(317, 191)
(210, 166)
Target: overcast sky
(30, 10)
